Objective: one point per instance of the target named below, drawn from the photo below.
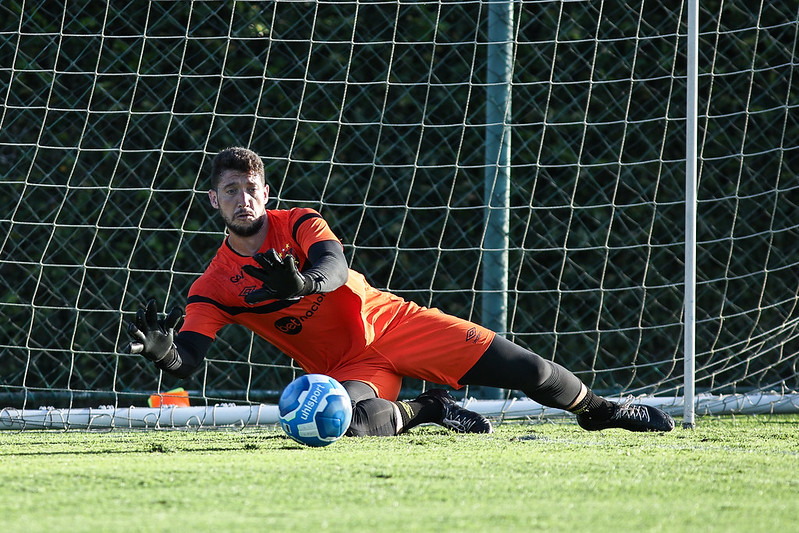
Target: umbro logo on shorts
(473, 336)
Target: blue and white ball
(315, 410)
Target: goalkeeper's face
(241, 200)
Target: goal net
(423, 132)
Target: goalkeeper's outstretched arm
(180, 354)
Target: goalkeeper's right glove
(280, 278)
(154, 338)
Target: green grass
(729, 474)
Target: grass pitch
(729, 474)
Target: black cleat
(455, 417)
(632, 417)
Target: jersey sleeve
(308, 227)
(204, 315)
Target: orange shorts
(420, 343)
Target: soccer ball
(315, 410)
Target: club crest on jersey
(287, 251)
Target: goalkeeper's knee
(374, 417)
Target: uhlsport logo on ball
(315, 410)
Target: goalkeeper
(283, 275)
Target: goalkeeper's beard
(245, 230)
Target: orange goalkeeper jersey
(353, 332)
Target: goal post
(378, 114)
(691, 159)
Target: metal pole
(497, 168)
(691, 175)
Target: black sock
(559, 387)
(419, 411)
(593, 406)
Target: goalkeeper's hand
(280, 278)
(151, 337)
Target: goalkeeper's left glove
(280, 278)
(154, 338)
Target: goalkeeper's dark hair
(238, 159)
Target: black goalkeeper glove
(151, 337)
(280, 278)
